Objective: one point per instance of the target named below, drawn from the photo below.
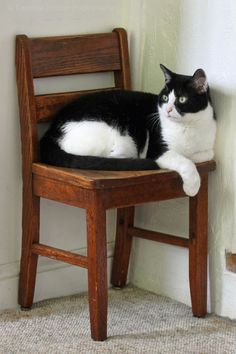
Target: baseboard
(226, 305)
(53, 279)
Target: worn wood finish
(60, 255)
(123, 243)
(89, 179)
(158, 236)
(143, 193)
(198, 232)
(56, 56)
(122, 76)
(30, 210)
(61, 192)
(96, 191)
(72, 186)
(30, 235)
(48, 105)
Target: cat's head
(183, 94)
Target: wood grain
(122, 76)
(48, 105)
(198, 234)
(31, 203)
(111, 179)
(123, 244)
(97, 267)
(60, 255)
(57, 56)
(158, 236)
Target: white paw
(192, 184)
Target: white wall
(179, 33)
(62, 225)
(185, 35)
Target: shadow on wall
(159, 42)
(222, 191)
(224, 181)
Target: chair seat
(90, 179)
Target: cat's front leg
(185, 167)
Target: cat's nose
(169, 109)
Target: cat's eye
(182, 99)
(165, 98)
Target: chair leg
(97, 271)
(198, 224)
(30, 234)
(125, 219)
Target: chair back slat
(55, 56)
(48, 105)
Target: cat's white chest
(196, 133)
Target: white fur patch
(185, 167)
(168, 109)
(143, 154)
(192, 135)
(92, 138)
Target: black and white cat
(128, 130)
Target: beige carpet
(139, 322)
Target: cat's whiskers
(154, 121)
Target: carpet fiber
(139, 322)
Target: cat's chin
(174, 118)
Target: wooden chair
(95, 191)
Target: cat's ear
(167, 73)
(199, 80)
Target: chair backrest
(60, 56)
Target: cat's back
(107, 105)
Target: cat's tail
(52, 154)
